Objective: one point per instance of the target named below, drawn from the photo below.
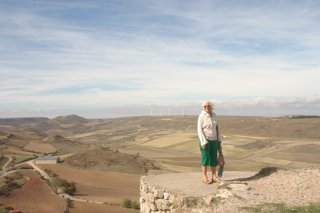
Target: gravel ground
(296, 187)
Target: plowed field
(34, 196)
(99, 186)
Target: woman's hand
(203, 146)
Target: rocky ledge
(240, 191)
(171, 192)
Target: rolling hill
(20, 138)
(105, 159)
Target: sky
(115, 58)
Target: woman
(210, 141)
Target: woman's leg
(213, 169)
(204, 170)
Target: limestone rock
(162, 204)
(208, 199)
(224, 193)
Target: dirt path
(60, 192)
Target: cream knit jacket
(206, 124)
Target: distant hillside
(47, 125)
(58, 123)
(271, 127)
(17, 121)
(131, 128)
(70, 119)
(105, 159)
(22, 137)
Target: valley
(107, 157)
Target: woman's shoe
(206, 181)
(216, 180)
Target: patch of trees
(6, 209)
(67, 187)
(25, 167)
(127, 203)
(11, 182)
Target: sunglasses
(207, 106)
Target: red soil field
(82, 207)
(34, 196)
(100, 186)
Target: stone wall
(157, 200)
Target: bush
(7, 208)
(67, 187)
(135, 205)
(25, 167)
(2, 210)
(41, 177)
(126, 203)
(49, 172)
(69, 204)
(12, 185)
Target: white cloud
(162, 52)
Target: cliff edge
(269, 190)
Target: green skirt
(210, 154)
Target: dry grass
(40, 147)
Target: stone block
(149, 188)
(142, 208)
(171, 199)
(158, 194)
(141, 200)
(151, 197)
(162, 204)
(143, 186)
(144, 195)
(166, 196)
(149, 206)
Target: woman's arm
(220, 148)
(217, 128)
(218, 134)
(200, 132)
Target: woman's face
(207, 107)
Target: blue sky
(249, 57)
